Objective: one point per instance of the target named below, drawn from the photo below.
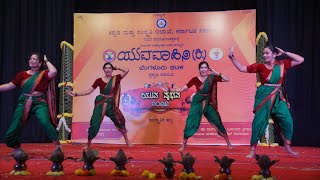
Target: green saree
(271, 103)
(27, 103)
(107, 104)
(204, 104)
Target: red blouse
(196, 81)
(99, 82)
(264, 72)
(41, 87)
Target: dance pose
(270, 99)
(204, 102)
(107, 102)
(37, 97)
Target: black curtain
(30, 26)
(38, 25)
(294, 26)
(157, 6)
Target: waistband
(273, 85)
(107, 96)
(204, 94)
(33, 95)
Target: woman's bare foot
(124, 134)
(225, 136)
(184, 144)
(88, 144)
(86, 147)
(183, 147)
(127, 141)
(252, 154)
(287, 148)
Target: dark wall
(294, 26)
(37, 25)
(103, 6)
(26, 27)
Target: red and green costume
(42, 105)
(270, 101)
(107, 104)
(204, 102)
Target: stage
(306, 166)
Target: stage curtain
(30, 26)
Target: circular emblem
(161, 23)
(109, 55)
(125, 99)
(215, 53)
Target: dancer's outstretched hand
(231, 50)
(71, 93)
(163, 87)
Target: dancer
(270, 99)
(204, 102)
(106, 103)
(37, 97)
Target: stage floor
(306, 166)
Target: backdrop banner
(164, 48)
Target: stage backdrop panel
(164, 48)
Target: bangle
(231, 56)
(75, 94)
